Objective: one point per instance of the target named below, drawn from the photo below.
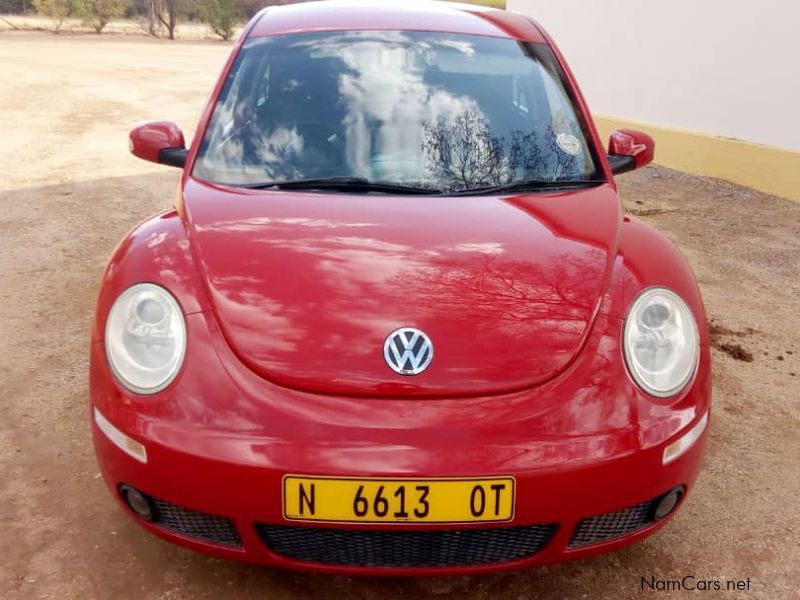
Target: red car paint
(551, 401)
(629, 142)
(148, 139)
(475, 20)
(313, 286)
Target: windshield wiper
(343, 184)
(527, 186)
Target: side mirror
(629, 149)
(159, 142)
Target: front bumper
(220, 440)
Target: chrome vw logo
(408, 351)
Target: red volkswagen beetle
(397, 321)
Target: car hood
(306, 287)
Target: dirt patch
(70, 191)
(717, 333)
(650, 212)
(735, 351)
(715, 330)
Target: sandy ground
(69, 191)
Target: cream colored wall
(729, 68)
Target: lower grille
(193, 524)
(614, 524)
(405, 548)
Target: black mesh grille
(190, 523)
(614, 524)
(405, 548)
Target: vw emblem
(408, 351)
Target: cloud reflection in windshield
(443, 111)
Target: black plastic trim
(173, 157)
(406, 548)
(623, 522)
(193, 524)
(621, 164)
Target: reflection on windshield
(463, 154)
(442, 111)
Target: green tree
(98, 13)
(222, 16)
(56, 10)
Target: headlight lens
(661, 342)
(145, 338)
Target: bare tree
(9, 23)
(150, 22)
(166, 11)
(464, 153)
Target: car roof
(393, 15)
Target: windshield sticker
(569, 143)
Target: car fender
(648, 258)
(155, 251)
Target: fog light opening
(667, 503)
(137, 502)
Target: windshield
(438, 111)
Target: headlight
(145, 338)
(661, 342)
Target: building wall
(718, 68)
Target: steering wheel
(316, 145)
(321, 145)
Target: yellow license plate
(344, 500)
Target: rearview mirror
(159, 142)
(629, 149)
